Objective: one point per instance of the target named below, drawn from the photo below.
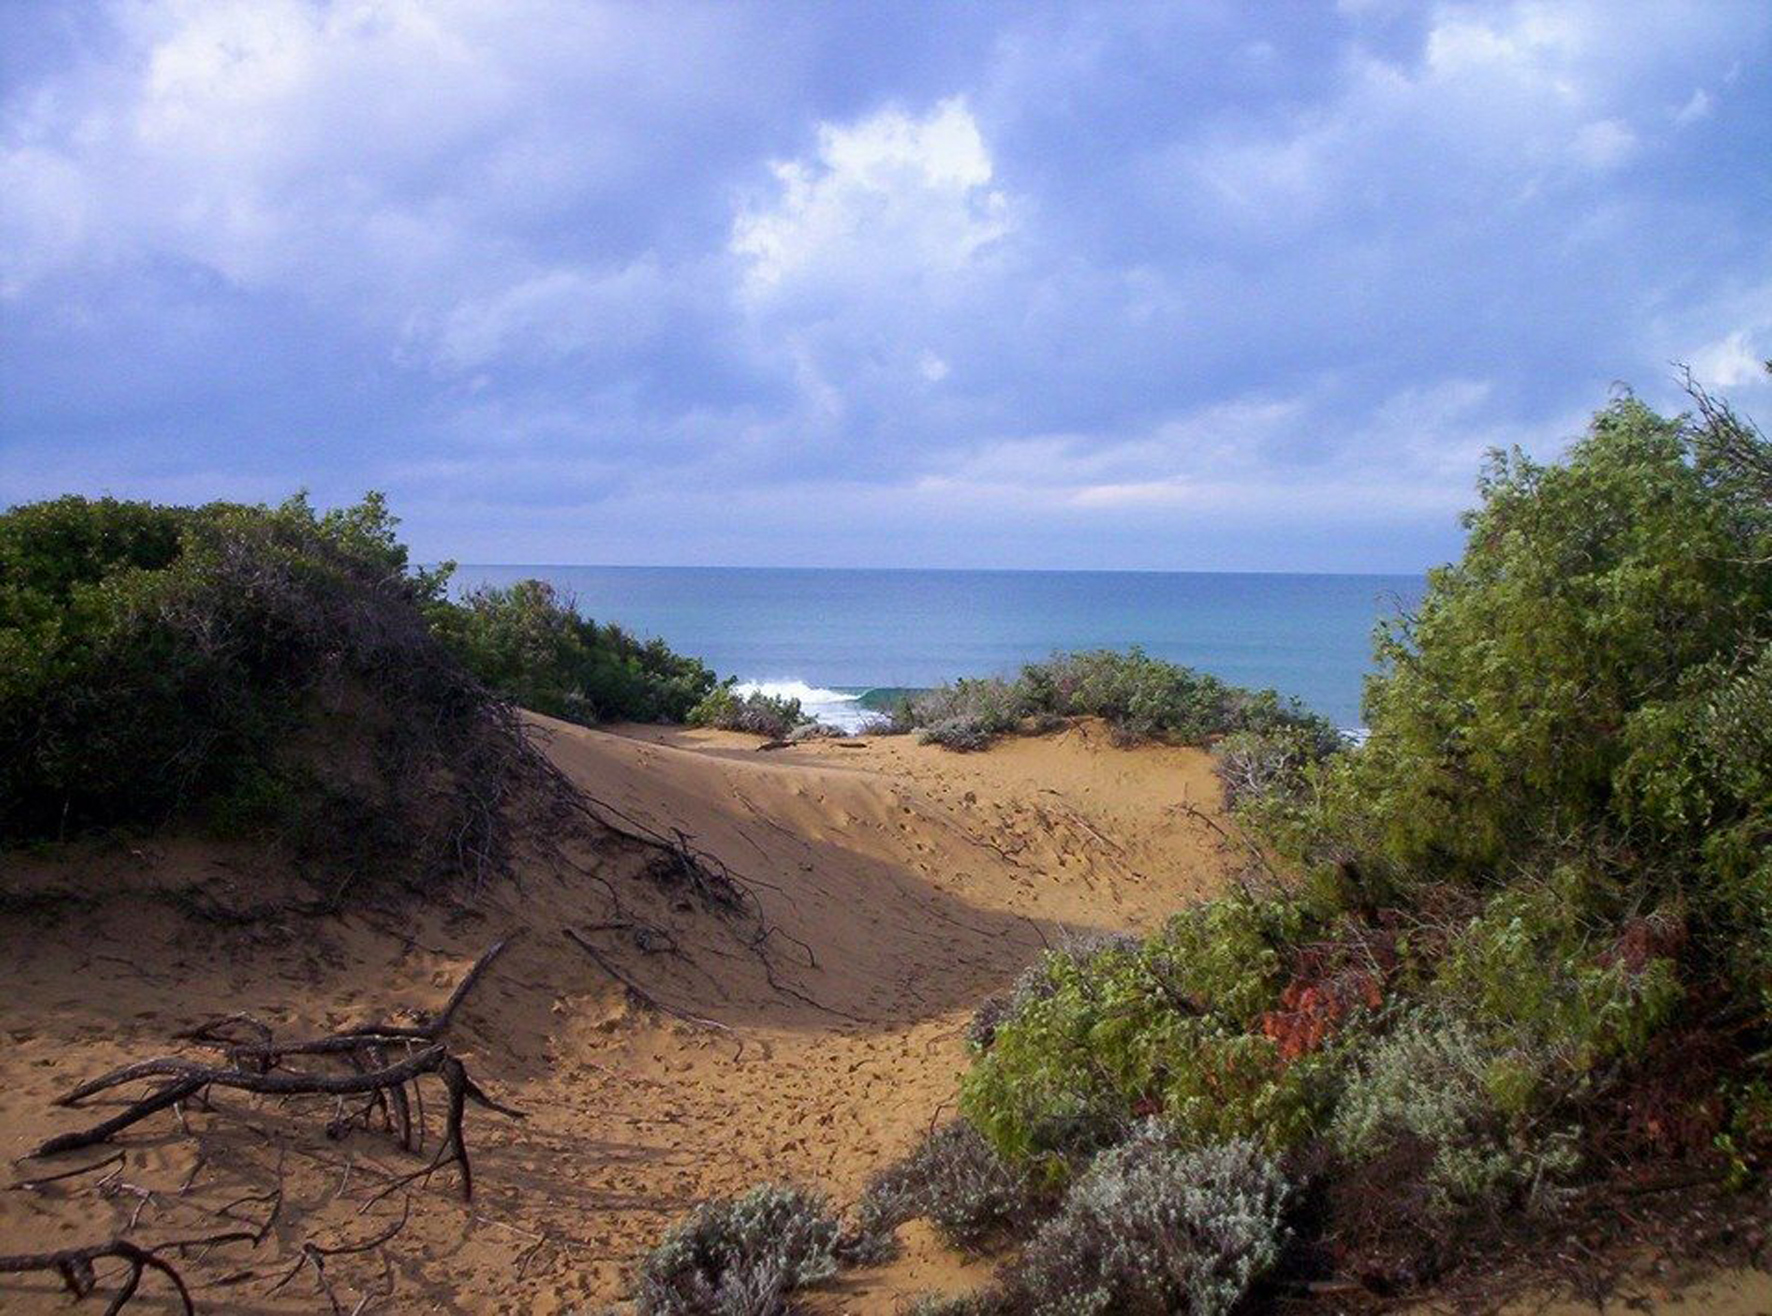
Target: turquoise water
(828, 635)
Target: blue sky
(1193, 286)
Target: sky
(1194, 286)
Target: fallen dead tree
(260, 1065)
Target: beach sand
(906, 884)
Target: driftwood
(258, 1065)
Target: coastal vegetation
(252, 669)
(1504, 960)
(287, 673)
(754, 712)
(534, 647)
(1139, 697)
(1506, 957)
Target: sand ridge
(906, 883)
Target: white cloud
(556, 313)
(1731, 361)
(1698, 107)
(1604, 144)
(889, 196)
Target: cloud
(1698, 106)
(1732, 361)
(888, 197)
(1604, 143)
(1083, 283)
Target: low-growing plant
(1547, 981)
(957, 733)
(1140, 697)
(1152, 1229)
(740, 1256)
(754, 712)
(1268, 765)
(1430, 1080)
(956, 1181)
(957, 1304)
(1035, 981)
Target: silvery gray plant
(1151, 1229)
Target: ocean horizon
(831, 635)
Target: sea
(846, 641)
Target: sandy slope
(906, 883)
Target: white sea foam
(832, 707)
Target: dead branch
(640, 993)
(31, 1185)
(315, 1255)
(259, 1066)
(75, 1266)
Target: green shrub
(957, 733)
(1545, 982)
(1145, 698)
(755, 713)
(1168, 1028)
(1140, 697)
(531, 646)
(1035, 981)
(1540, 886)
(1153, 1229)
(957, 1182)
(967, 715)
(1558, 680)
(1262, 766)
(158, 662)
(740, 1256)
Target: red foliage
(1310, 1012)
(1330, 981)
(1645, 938)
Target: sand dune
(901, 883)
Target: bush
(957, 733)
(1430, 1082)
(1560, 679)
(165, 662)
(740, 1256)
(956, 1181)
(1145, 698)
(531, 646)
(756, 713)
(967, 715)
(1258, 767)
(1169, 1027)
(1140, 697)
(1528, 917)
(1152, 1229)
(1035, 982)
(1547, 983)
